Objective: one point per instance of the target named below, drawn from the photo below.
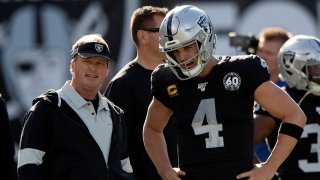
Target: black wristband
(291, 130)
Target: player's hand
(259, 172)
(172, 174)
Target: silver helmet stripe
(169, 29)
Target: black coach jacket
(70, 150)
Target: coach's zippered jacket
(65, 148)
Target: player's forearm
(281, 151)
(288, 136)
(156, 147)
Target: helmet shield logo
(288, 58)
(204, 23)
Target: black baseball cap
(93, 49)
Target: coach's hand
(172, 174)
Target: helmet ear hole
(202, 37)
(205, 56)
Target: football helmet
(299, 63)
(181, 27)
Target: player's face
(314, 73)
(268, 51)
(88, 74)
(187, 55)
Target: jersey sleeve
(160, 79)
(257, 72)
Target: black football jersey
(304, 160)
(130, 90)
(213, 115)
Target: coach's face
(88, 74)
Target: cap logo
(98, 47)
(92, 49)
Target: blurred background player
(299, 63)
(269, 43)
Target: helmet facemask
(182, 69)
(313, 74)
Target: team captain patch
(231, 81)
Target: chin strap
(303, 97)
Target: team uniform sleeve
(260, 68)
(257, 72)
(159, 79)
(33, 143)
